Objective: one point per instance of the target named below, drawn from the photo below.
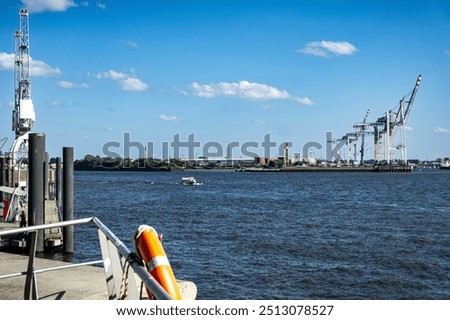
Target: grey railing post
(30, 291)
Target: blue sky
(229, 71)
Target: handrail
(150, 283)
(155, 288)
(45, 226)
(81, 264)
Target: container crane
(401, 116)
(349, 138)
(392, 122)
(362, 131)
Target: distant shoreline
(256, 170)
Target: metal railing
(119, 263)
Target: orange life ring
(150, 249)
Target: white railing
(119, 264)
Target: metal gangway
(119, 263)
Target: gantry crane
(401, 116)
(385, 129)
(362, 131)
(390, 124)
(349, 138)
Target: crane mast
(363, 133)
(23, 114)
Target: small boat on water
(190, 181)
(445, 165)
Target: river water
(283, 235)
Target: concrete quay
(80, 283)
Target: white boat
(444, 165)
(190, 181)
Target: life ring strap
(156, 262)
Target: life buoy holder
(5, 208)
(150, 250)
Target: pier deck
(53, 237)
(81, 283)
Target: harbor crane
(385, 130)
(362, 131)
(349, 138)
(390, 124)
(23, 117)
(3, 142)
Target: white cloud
(6, 61)
(130, 43)
(245, 90)
(203, 91)
(41, 69)
(48, 5)
(182, 92)
(328, 48)
(37, 68)
(54, 104)
(126, 81)
(242, 89)
(72, 85)
(101, 5)
(306, 101)
(169, 118)
(441, 130)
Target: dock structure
(52, 237)
(327, 169)
(80, 283)
(376, 168)
(21, 212)
(31, 219)
(30, 277)
(122, 274)
(394, 169)
(63, 281)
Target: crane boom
(403, 112)
(412, 97)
